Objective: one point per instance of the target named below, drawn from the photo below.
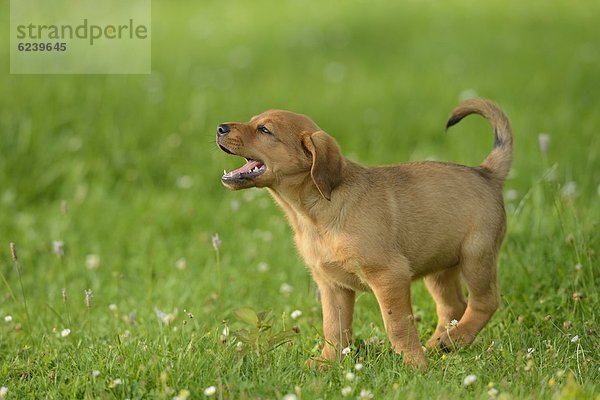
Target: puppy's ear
(326, 170)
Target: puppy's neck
(300, 198)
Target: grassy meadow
(111, 183)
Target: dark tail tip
(497, 140)
(453, 120)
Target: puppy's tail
(500, 159)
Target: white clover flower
(578, 267)
(262, 267)
(95, 373)
(365, 394)
(374, 340)
(569, 190)
(493, 392)
(296, 314)
(113, 307)
(165, 318)
(346, 391)
(290, 396)
(3, 392)
(350, 376)
(346, 351)
(544, 142)
(92, 261)
(8, 318)
(358, 366)
(65, 332)
(511, 195)
(185, 182)
(466, 94)
(182, 395)
(209, 391)
(181, 264)
(575, 339)
(469, 380)
(116, 382)
(286, 289)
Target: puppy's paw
(454, 339)
(415, 360)
(319, 364)
(433, 342)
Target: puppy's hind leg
(447, 292)
(479, 274)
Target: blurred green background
(125, 166)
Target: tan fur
(379, 228)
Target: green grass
(97, 162)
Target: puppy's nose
(223, 129)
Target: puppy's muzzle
(223, 130)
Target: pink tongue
(247, 168)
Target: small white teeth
(254, 169)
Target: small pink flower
(216, 241)
(58, 247)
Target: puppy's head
(277, 145)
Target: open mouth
(252, 169)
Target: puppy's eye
(263, 129)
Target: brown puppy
(379, 228)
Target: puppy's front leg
(393, 295)
(338, 309)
